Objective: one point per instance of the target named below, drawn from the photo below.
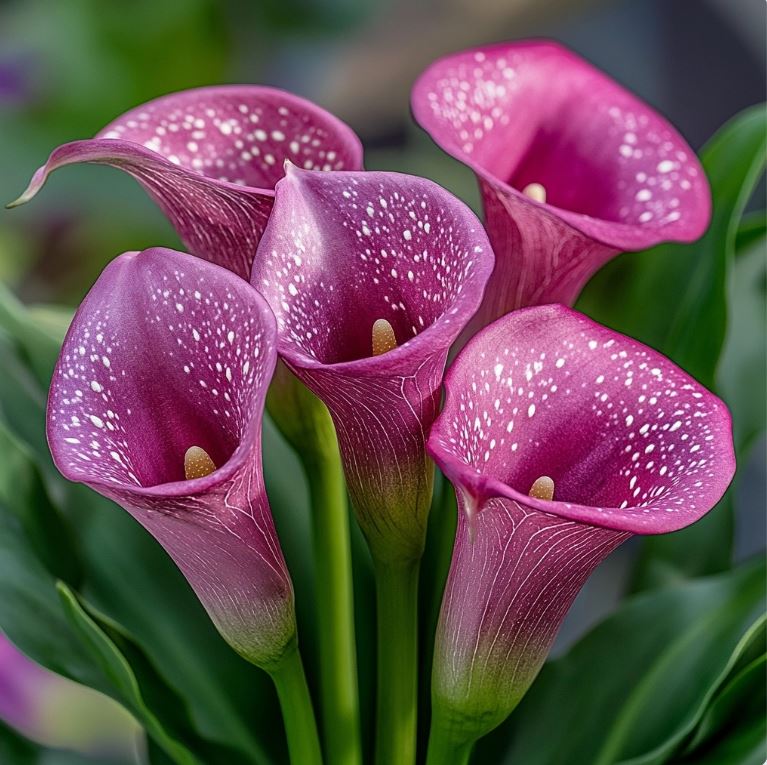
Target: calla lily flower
(562, 439)
(156, 402)
(20, 677)
(372, 276)
(210, 158)
(572, 168)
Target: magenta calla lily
(572, 167)
(210, 158)
(341, 252)
(631, 445)
(166, 353)
(22, 682)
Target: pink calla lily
(341, 253)
(572, 167)
(210, 158)
(167, 353)
(22, 682)
(545, 400)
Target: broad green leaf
(53, 320)
(15, 749)
(637, 685)
(734, 728)
(741, 702)
(36, 340)
(721, 700)
(741, 376)
(753, 645)
(734, 161)
(752, 229)
(137, 685)
(30, 611)
(23, 492)
(22, 398)
(744, 746)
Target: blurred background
(68, 68)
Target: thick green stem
(335, 608)
(445, 751)
(297, 711)
(306, 423)
(397, 599)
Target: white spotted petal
(165, 353)
(572, 167)
(630, 442)
(210, 158)
(343, 256)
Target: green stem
(445, 751)
(297, 711)
(397, 600)
(335, 607)
(442, 526)
(306, 424)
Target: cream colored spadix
(542, 488)
(197, 463)
(536, 191)
(384, 338)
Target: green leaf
(734, 161)
(23, 492)
(741, 377)
(737, 709)
(137, 685)
(119, 675)
(637, 685)
(744, 746)
(53, 320)
(30, 611)
(734, 728)
(742, 698)
(22, 398)
(15, 749)
(36, 340)
(752, 229)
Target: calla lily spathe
(572, 167)
(210, 158)
(165, 353)
(341, 253)
(629, 444)
(22, 684)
